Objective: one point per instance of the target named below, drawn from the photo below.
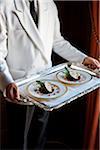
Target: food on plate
(44, 87)
(71, 75)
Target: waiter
(29, 31)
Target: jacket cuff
(82, 57)
(5, 79)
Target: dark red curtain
(91, 134)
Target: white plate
(85, 77)
(59, 90)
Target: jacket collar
(25, 19)
(20, 4)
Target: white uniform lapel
(25, 19)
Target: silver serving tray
(74, 91)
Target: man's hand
(12, 91)
(91, 63)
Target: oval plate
(59, 90)
(85, 77)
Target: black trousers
(26, 127)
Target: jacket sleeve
(5, 76)
(62, 47)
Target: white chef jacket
(26, 49)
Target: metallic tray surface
(75, 91)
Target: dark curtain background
(91, 134)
